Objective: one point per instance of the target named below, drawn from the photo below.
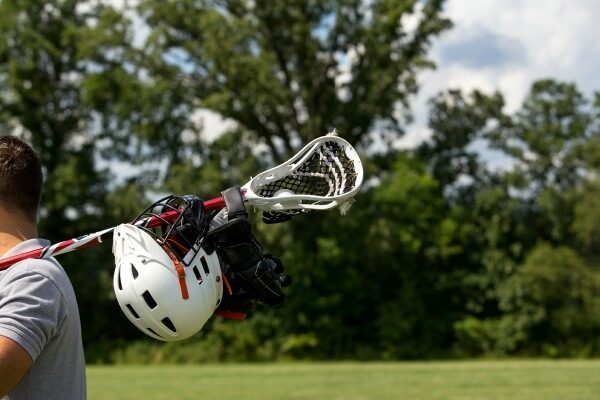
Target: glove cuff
(237, 245)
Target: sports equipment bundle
(166, 283)
(181, 260)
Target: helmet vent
(134, 272)
(149, 300)
(204, 265)
(197, 273)
(150, 329)
(120, 285)
(167, 322)
(132, 311)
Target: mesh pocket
(327, 172)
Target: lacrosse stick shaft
(95, 238)
(214, 204)
(81, 242)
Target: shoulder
(49, 268)
(45, 272)
(36, 299)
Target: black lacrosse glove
(258, 274)
(251, 274)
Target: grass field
(489, 380)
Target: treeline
(482, 241)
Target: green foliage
(555, 296)
(533, 285)
(254, 339)
(586, 219)
(550, 307)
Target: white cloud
(555, 38)
(413, 137)
(212, 124)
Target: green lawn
(489, 380)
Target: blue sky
(507, 44)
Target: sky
(505, 45)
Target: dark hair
(20, 177)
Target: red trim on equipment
(91, 243)
(180, 273)
(227, 285)
(240, 316)
(177, 244)
(181, 276)
(63, 245)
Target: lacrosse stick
(324, 174)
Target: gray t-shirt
(39, 311)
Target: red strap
(227, 285)
(240, 316)
(177, 244)
(182, 285)
(180, 273)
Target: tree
(458, 122)
(288, 72)
(552, 303)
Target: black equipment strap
(234, 203)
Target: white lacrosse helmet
(169, 295)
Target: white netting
(327, 173)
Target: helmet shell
(148, 289)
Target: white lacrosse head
(148, 287)
(326, 173)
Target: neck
(14, 229)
